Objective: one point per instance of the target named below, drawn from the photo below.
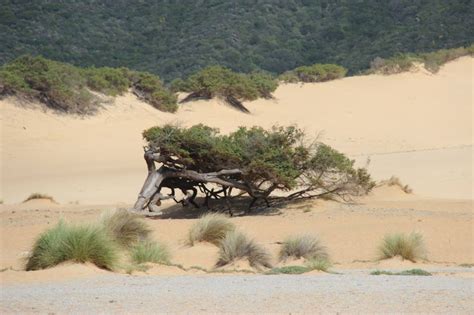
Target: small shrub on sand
(39, 196)
(144, 252)
(125, 228)
(466, 265)
(411, 272)
(322, 265)
(410, 247)
(395, 181)
(73, 243)
(211, 228)
(237, 246)
(318, 264)
(432, 61)
(304, 246)
(289, 270)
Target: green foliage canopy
(279, 158)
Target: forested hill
(175, 38)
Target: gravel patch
(352, 293)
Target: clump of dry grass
(303, 246)
(395, 181)
(64, 242)
(126, 228)
(148, 251)
(237, 246)
(39, 196)
(410, 247)
(211, 227)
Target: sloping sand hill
(417, 126)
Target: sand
(417, 126)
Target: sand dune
(414, 125)
(417, 126)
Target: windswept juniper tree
(253, 160)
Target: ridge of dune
(368, 117)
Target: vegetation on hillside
(431, 61)
(314, 73)
(177, 38)
(67, 88)
(217, 81)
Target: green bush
(60, 86)
(266, 83)
(410, 247)
(315, 73)
(67, 88)
(73, 243)
(149, 87)
(109, 81)
(219, 81)
(144, 252)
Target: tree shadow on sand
(239, 207)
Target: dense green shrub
(67, 88)
(109, 81)
(314, 73)
(66, 242)
(266, 83)
(149, 87)
(60, 86)
(235, 87)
